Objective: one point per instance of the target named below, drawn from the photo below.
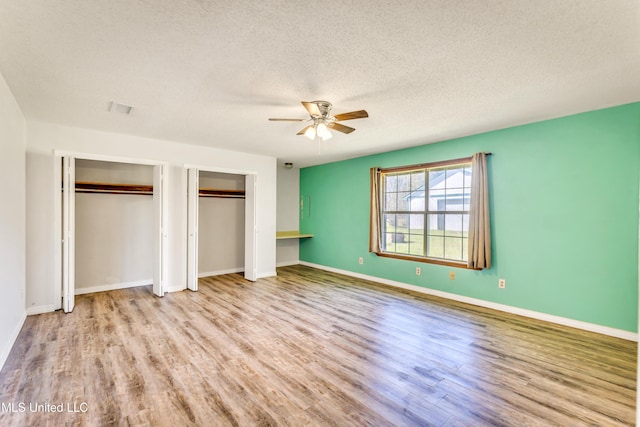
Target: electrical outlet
(360, 260)
(418, 271)
(502, 283)
(452, 275)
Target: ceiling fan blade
(304, 130)
(341, 128)
(361, 114)
(312, 108)
(287, 120)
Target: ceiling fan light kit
(323, 121)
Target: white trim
(106, 158)
(174, 289)
(40, 309)
(57, 231)
(113, 286)
(220, 272)
(287, 263)
(605, 330)
(12, 340)
(219, 170)
(266, 274)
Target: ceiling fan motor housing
(324, 107)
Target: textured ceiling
(212, 72)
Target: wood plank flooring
(309, 348)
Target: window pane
(417, 181)
(455, 178)
(465, 249)
(389, 242)
(435, 246)
(390, 202)
(453, 248)
(453, 225)
(436, 224)
(416, 244)
(416, 224)
(437, 200)
(390, 183)
(389, 223)
(402, 223)
(404, 200)
(467, 199)
(454, 199)
(465, 225)
(404, 182)
(416, 203)
(436, 179)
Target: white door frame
(58, 260)
(193, 187)
(68, 233)
(250, 220)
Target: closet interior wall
(221, 223)
(114, 232)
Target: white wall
(43, 138)
(12, 220)
(220, 226)
(114, 243)
(288, 214)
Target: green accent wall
(564, 220)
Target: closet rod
(226, 194)
(96, 187)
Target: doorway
(223, 185)
(65, 171)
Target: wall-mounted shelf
(96, 187)
(225, 194)
(281, 235)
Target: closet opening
(221, 225)
(113, 233)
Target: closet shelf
(226, 194)
(97, 187)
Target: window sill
(457, 264)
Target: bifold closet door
(68, 233)
(160, 229)
(193, 189)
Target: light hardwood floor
(310, 348)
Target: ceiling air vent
(120, 108)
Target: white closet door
(68, 233)
(193, 187)
(160, 189)
(250, 231)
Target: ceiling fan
(323, 121)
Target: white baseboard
(287, 263)
(219, 272)
(12, 340)
(113, 286)
(592, 327)
(49, 308)
(175, 289)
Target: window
(424, 211)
